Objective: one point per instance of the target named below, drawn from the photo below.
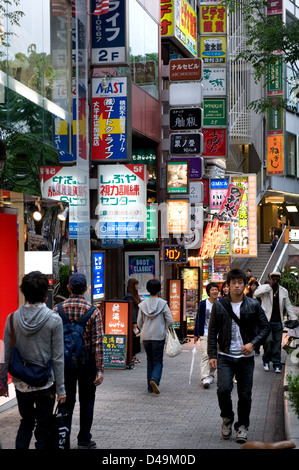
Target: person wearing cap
(91, 375)
(275, 302)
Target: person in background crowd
(274, 242)
(248, 275)
(89, 376)
(132, 294)
(224, 289)
(252, 286)
(275, 301)
(39, 338)
(201, 332)
(237, 326)
(154, 317)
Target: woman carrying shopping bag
(154, 317)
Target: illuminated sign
(212, 240)
(179, 20)
(185, 119)
(109, 119)
(122, 206)
(213, 50)
(232, 201)
(185, 69)
(178, 216)
(98, 274)
(175, 254)
(116, 317)
(177, 177)
(214, 143)
(175, 300)
(212, 19)
(275, 155)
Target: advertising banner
(177, 177)
(116, 318)
(122, 206)
(212, 19)
(142, 266)
(98, 275)
(275, 155)
(213, 50)
(178, 216)
(109, 119)
(108, 38)
(179, 21)
(218, 190)
(214, 143)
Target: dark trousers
(84, 379)
(36, 410)
(241, 368)
(154, 353)
(272, 345)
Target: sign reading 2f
(109, 35)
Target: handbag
(60, 430)
(31, 373)
(173, 346)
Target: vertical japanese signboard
(213, 19)
(109, 119)
(122, 206)
(109, 34)
(98, 275)
(179, 20)
(175, 301)
(275, 155)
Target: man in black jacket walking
(238, 325)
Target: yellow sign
(212, 19)
(178, 19)
(275, 155)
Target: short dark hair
(210, 285)
(236, 274)
(35, 286)
(153, 286)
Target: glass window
(144, 49)
(291, 154)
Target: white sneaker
(226, 428)
(211, 379)
(241, 436)
(266, 366)
(206, 382)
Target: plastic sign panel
(122, 206)
(109, 35)
(185, 69)
(214, 81)
(179, 20)
(214, 143)
(177, 177)
(185, 94)
(275, 155)
(116, 317)
(212, 19)
(213, 50)
(196, 168)
(214, 112)
(211, 240)
(98, 275)
(218, 191)
(109, 119)
(178, 216)
(186, 143)
(175, 300)
(142, 266)
(185, 119)
(231, 202)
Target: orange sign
(275, 155)
(211, 240)
(175, 299)
(116, 318)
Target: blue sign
(219, 183)
(98, 277)
(121, 230)
(108, 40)
(79, 230)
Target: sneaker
(226, 428)
(241, 436)
(154, 387)
(90, 445)
(211, 378)
(266, 366)
(206, 382)
(277, 370)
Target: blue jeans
(272, 345)
(242, 368)
(36, 410)
(84, 378)
(154, 353)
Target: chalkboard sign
(115, 351)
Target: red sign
(175, 299)
(214, 142)
(232, 201)
(185, 69)
(116, 318)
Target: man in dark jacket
(238, 325)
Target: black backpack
(75, 352)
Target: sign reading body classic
(109, 119)
(122, 206)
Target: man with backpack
(84, 357)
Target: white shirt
(235, 349)
(209, 306)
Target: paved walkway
(183, 416)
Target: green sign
(214, 112)
(144, 156)
(152, 226)
(115, 351)
(274, 78)
(275, 119)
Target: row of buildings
(125, 130)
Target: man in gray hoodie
(39, 339)
(154, 317)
